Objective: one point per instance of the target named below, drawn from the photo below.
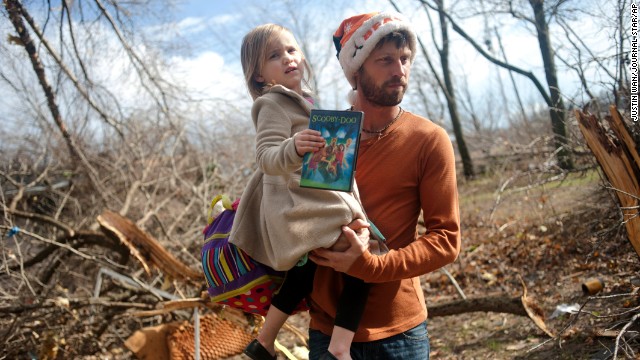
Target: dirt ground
(553, 237)
(541, 233)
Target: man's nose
(398, 68)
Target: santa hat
(357, 36)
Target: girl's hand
(308, 140)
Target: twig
(304, 338)
(580, 311)
(196, 332)
(52, 242)
(73, 303)
(624, 329)
(69, 231)
(131, 281)
(285, 351)
(454, 282)
(566, 327)
(22, 273)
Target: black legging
(298, 283)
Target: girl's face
(284, 63)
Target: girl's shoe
(256, 351)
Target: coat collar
(304, 103)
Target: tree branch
(492, 59)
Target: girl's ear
(258, 78)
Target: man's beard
(377, 95)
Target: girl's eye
(273, 56)
(292, 50)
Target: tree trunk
(16, 14)
(615, 150)
(557, 110)
(449, 90)
(14, 9)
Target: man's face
(384, 76)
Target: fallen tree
(617, 154)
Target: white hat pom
(351, 97)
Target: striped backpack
(233, 277)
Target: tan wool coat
(277, 221)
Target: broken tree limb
(522, 306)
(500, 304)
(146, 249)
(618, 157)
(617, 124)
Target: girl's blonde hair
(253, 54)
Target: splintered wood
(618, 157)
(146, 249)
(219, 338)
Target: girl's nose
(287, 58)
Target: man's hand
(357, 237)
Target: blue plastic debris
(14, 230)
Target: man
(405, 165)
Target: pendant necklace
(381, 131)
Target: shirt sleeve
(440, 244)
(275, 149)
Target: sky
(199, 17)
(207, 8)
(211, 31)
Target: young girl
(278, 222)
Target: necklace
(386, 126)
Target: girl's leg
(274, 320)
(297, 284)
(350, 308)
(340, 344)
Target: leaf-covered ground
(554, 236)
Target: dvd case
(333, 167)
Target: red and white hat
(358, 35)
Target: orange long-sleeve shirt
(409, 169)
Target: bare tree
(82, 145)
(557, 109)
(552, 94)
(447, 86)
(595, 67)
(450, 93)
